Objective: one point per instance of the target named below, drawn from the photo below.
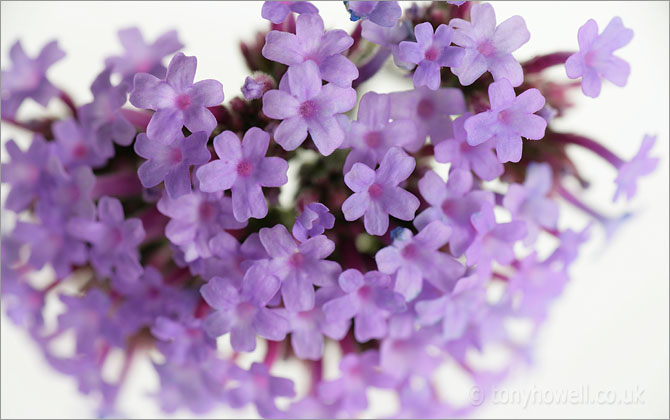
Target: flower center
(426, 108)
(504, 116)
(182, 101)
(245, 310)
(486, 48)
(409, 252)
(307, 109)
(364, 292)
(244, 168)
(206, 211)
(375, 190)
(432, 53)
(373, 139)
(590, 58)
(176, 156)
(80, 151)
(296, 260)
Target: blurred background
(607, 334)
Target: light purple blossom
(229, 256)
(509, 119)
(306, 106)
(243, 312)
(529, 202)
(487, 47)
(414, 259)
(254, 87)
(596, 60)
(313, 221)
(277, 11)
(26, 78)
(140, 57)
(311, 43)
(183, 341)
(77, 145)
(243, 168)
(534, 285)
(259, 387)
(430, 52)
(373, 134)
(177, 100)
(388, 38)
(299, 266)
(377, 194)
(430, 110)
(456, 150)
(640, 165)
(169, 160)
(402, 357)
(382, 13)
(368, 299)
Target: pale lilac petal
(396, 166)
(307, 343)
(471, 68)
(272, 172)
(424, 34)
(178, 181)
(291, 133)
(243, 338)
(217, 175)
(355, 206)
(297, 294)
(507, 68)
(591, 83)
(218, 323)
(510, 35)
(341, 308)
(408, 281)
(282, 47)
(350, 280)
(501, 94)
(277, 241)
(181, 72)
(228, 147)
(427, 74)
(199, 118)
(255, 144)
(165, 123)
(388, 260)
(410, 52)
(509, 148)
(432, 188)
(403, 205)
(334, 42)
(326, 134)
(376, 220)
(304, 80)
(339, 70)
(359, 178)
(587, 34)
(219, 294)
(269, 324)
(481, 128)
(248, 201)
(369, 325)
(207, 93)
(279, 105)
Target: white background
(608, 332)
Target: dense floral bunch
(163, 229)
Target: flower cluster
(163, 230)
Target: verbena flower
(313, 221)
(640, 165)
(277, 11)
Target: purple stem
(570, 198)
(372, 66)
(591, 145)
(539, 63)
(67, 100)
(122, 184)
(272, 353)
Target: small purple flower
(299, 266)
(415, 258)
(509, 119)
(177, 100)
(27, 77)
(243, 168)
(140, 57)
(487, 47)
(534, 286)
(642, 164)
(114, 238)
(430, 110)
(182, 341)
(596, 59)
(311, 43)
(32, 173)
(313, 221)
(372, 135)
(377, 194)
(430, 52)
(369, 300)
(571, 242)
(104, 116)
(277, 11)
(480, 159)
(77, 145)
(243, 313)
(196, 218)
(259, 387)
(169, 160)
(382, 13)
(494, 241)
(230, 257)
(304, 105)
(529, 202)
(254, 87)
(454, 204)
(403, 357)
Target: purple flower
(430, 52)
(403, 357)
(140, 57)
(571, 242)
(304, 105)
(388, 38)
(169, 160)
(299, 266)
(114, 239)
(487, 47)
(529, 202)
(454, 204)
(313, 221)
(369, 300)
(259, 387)
(308, 327)
(509, 119)
(494, 241)
(377, 194)
(243, 168)
(534, 286)
(372, 135)
(642, 164)
(277, 11)
(77, 145)
(415, 258)
(430, 110)
(177, 100)
(254, 87)
(243, 312)
(196, 218)
(230, 257)
(27, 77)
(31, 174)
(382, 13)
(311, 43)
(104, 116)
(596, 59)
(456, 150)
(183, 341)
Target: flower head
(277, 11)
(641, 164)
(313, 221)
